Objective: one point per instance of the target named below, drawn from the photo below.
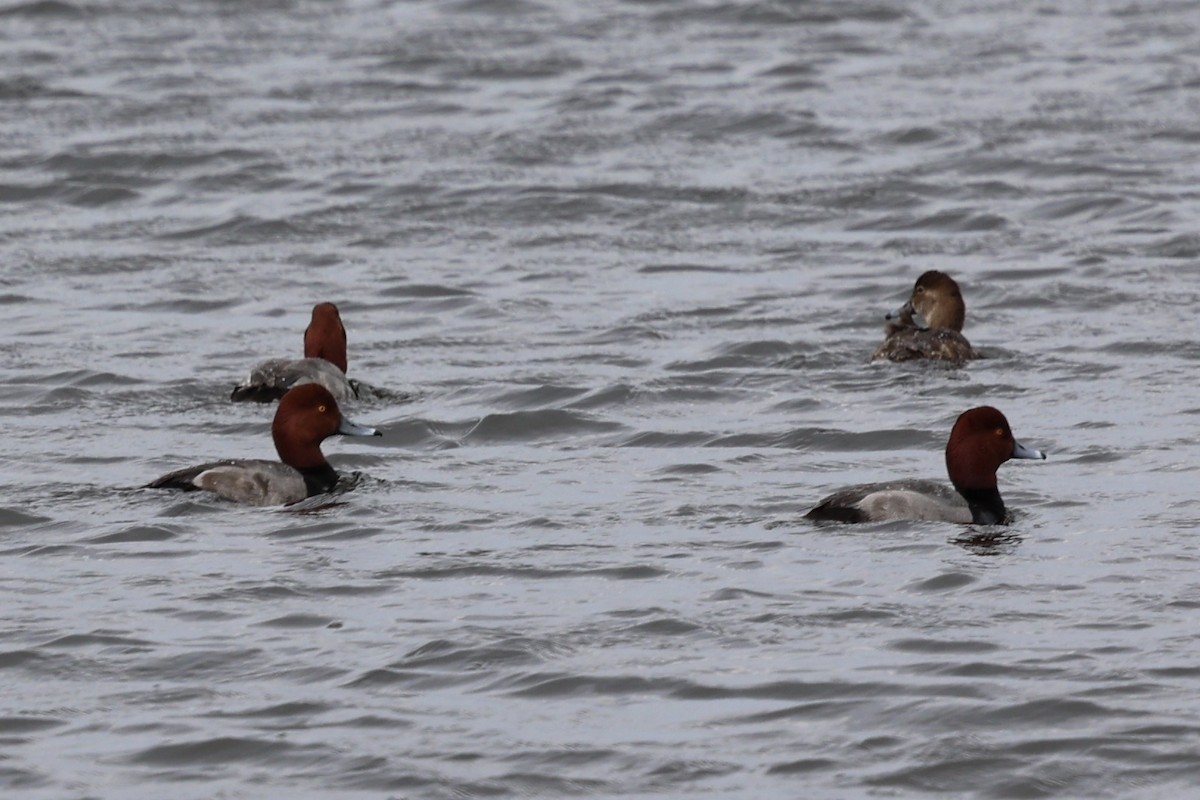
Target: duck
(324, 363)
(980, 441)
(306, 416)
(929, 325)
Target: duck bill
(348, 428)
(900, 313)
(907, 316)
(1021, 451)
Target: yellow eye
(321, 408)
(999, 431)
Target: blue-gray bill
(907, 316)
(1021, 451)
(348, 428)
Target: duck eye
(321, 408)
(1000, 431)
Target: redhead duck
(929, 325)
(979, 443)
(307, 415)
(324, 363)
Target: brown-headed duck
(929, 325)
(979, 443)
(307, 415)
(324, 363)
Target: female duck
(929, 325)
(979, 443)
(324, 363)
(307, 415)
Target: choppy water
(630, 259)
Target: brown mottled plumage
(935, 299)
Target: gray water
(619, 267)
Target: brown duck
(929, 325)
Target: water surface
(621, 266)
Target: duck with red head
(325, 336)
(306, 416)
(929, 325)
(324, 363)
(979, 443)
